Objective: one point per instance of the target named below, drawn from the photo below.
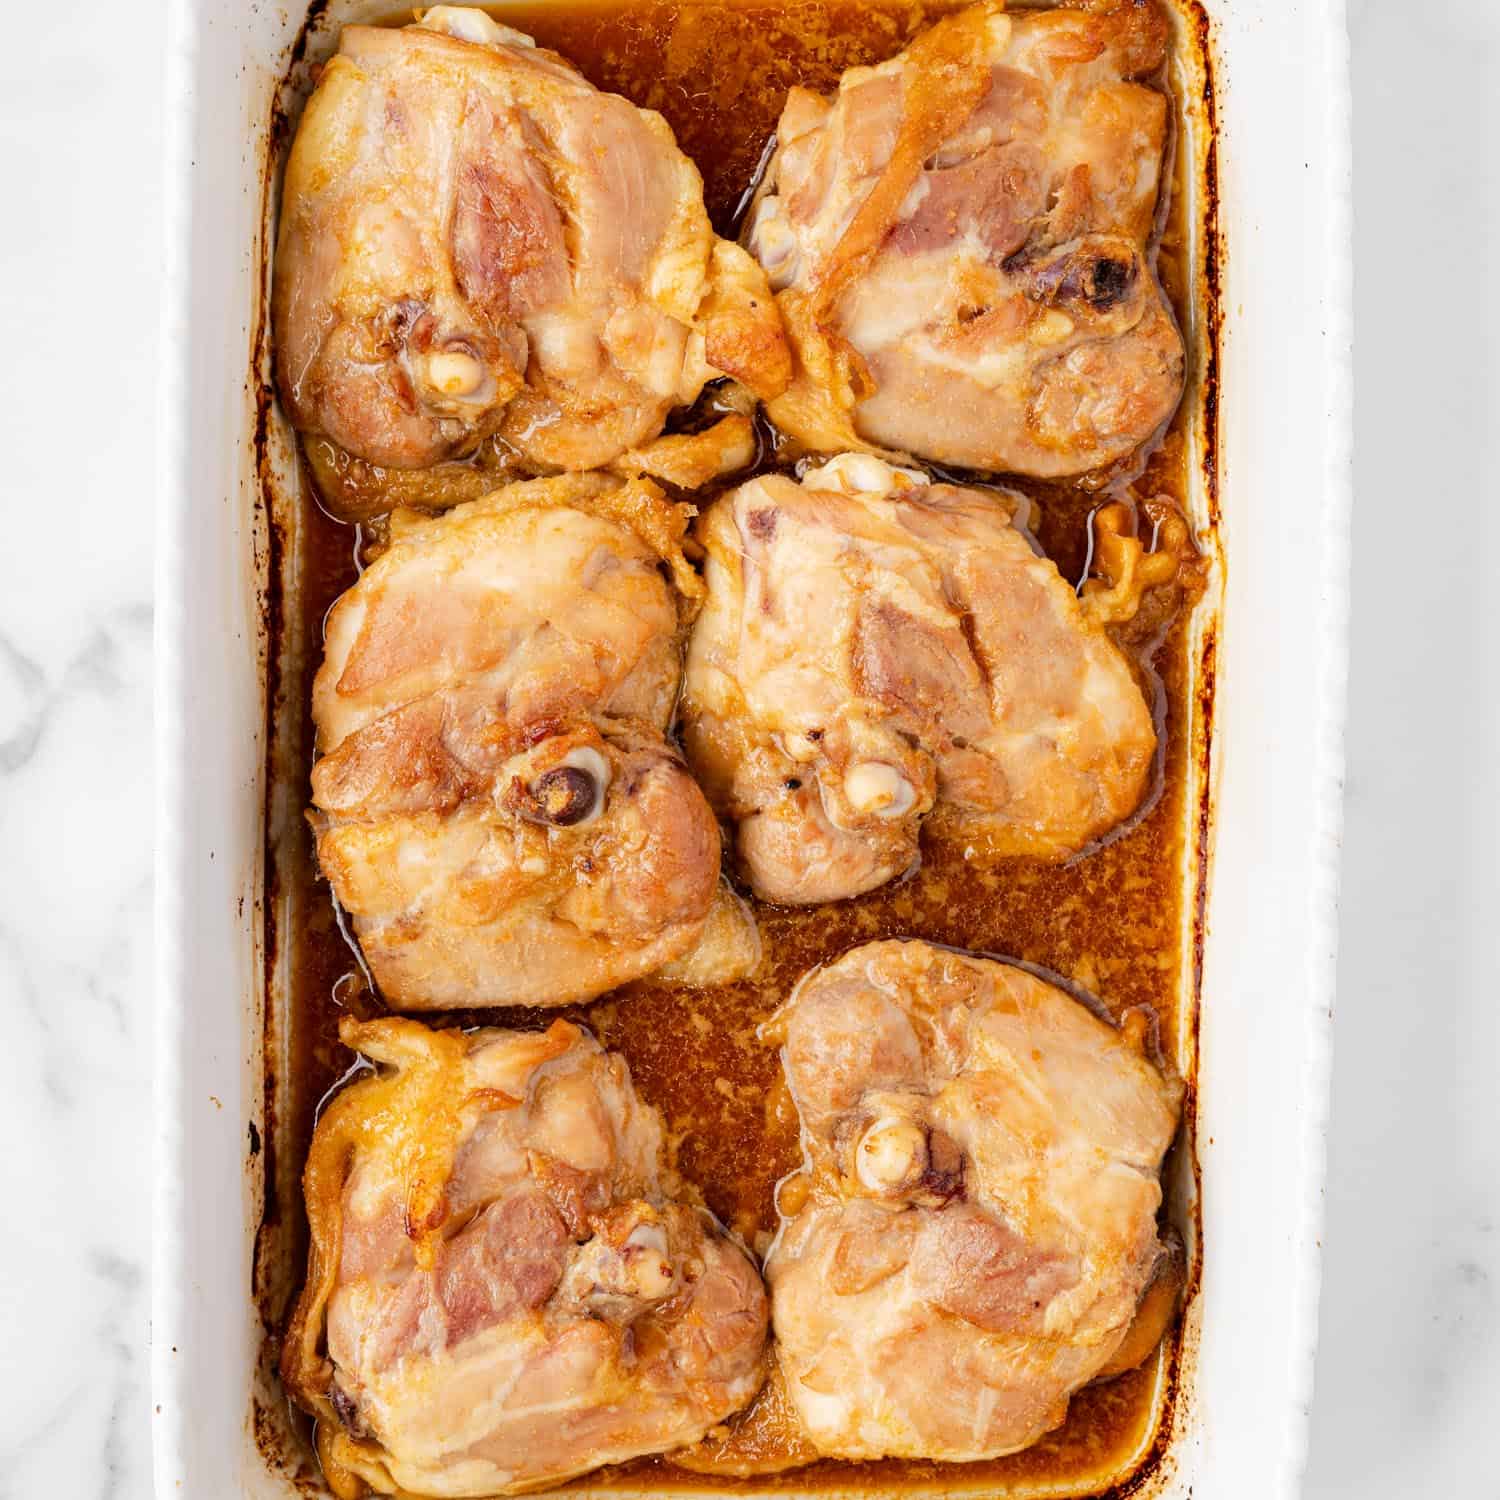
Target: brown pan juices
(1109, 923)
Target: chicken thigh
(975, 1220)
(960, 242)
(504, 1290)
(875, 647)
(476, 242)
(495, 803)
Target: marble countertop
(1408, 1379)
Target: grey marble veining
(1409, 1366)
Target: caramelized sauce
(1108, 924)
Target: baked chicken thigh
(476, 242)
(495, 803)
(960, 243)
(975, 1220)
(503, 1289)
(875, 649)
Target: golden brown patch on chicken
(875, 650)
(359, 491)
(960, 243)
(1155, 1312)
(504, 1288)
(976, 1216)
(495, 802)
(480, 253)
(691, 460)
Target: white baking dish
(1237, 1428)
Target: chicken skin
(505, 1288)
(495, 802)
(476, 243)
(975, 1220)
(876, 651)
(960, 241)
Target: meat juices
(495, 802)
(475, 241)
(507, 1287)
(975, 1219)
(960, 243)
(875, 649)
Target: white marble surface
(1409, 1370)
(80, 131)
(1408, 1382)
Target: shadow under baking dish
(1121, 923)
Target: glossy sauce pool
(1109, 923)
